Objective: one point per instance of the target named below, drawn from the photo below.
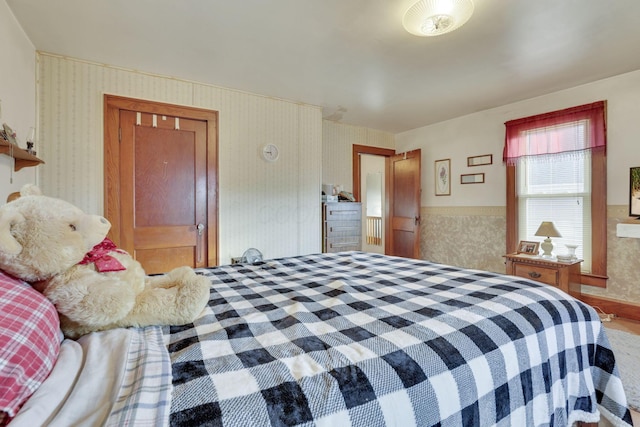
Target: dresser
(341, 226)
(563, 275)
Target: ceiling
(352, 57)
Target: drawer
(540, 274)
(343, 228)
(343, 244)
(344, 211)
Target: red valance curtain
(556, 132)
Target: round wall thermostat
(270, 152)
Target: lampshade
(547, 229)
(435, 17)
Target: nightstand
(564, 275)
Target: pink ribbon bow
(99, 255)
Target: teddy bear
(65, 254)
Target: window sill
(594, 280)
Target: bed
(346, 339)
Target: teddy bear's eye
(72, 227)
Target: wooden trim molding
(512, 210)
(357, 150)
(599, 213)
(628, 310)
(594, 280)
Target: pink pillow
(29, 342)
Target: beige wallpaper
(470, 237)
(271, 206)
(623, 265)
(474, 237)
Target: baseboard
(627, 310)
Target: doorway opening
(401, 207)
(370, 188)
(372, 183)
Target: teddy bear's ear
(30, 190)
(8, 244)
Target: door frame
(357, 150)
(112, 106)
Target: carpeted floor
(626, 348)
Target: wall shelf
(22, 158)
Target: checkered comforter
(355, 339)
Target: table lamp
(548, 230)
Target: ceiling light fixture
(435, 17)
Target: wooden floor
(633, 327)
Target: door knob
(200, 228)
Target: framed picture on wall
(634, 192)
(472, 178)
(486, 159)
(443, 177)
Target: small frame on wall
(634, 192)
(527, 247)
(485, 159)
(443, 177)
(472, 178)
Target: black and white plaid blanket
(356, 339)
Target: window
(557, 190)
(556, 171)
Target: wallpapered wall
(474, 237)
(271, 206)
(470, 237)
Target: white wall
(17, 95)
(274, 207)
(337, 149)
(483, 133)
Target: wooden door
(163, 192)
(404, 211)
(159, 176)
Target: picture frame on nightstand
(528, 247)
